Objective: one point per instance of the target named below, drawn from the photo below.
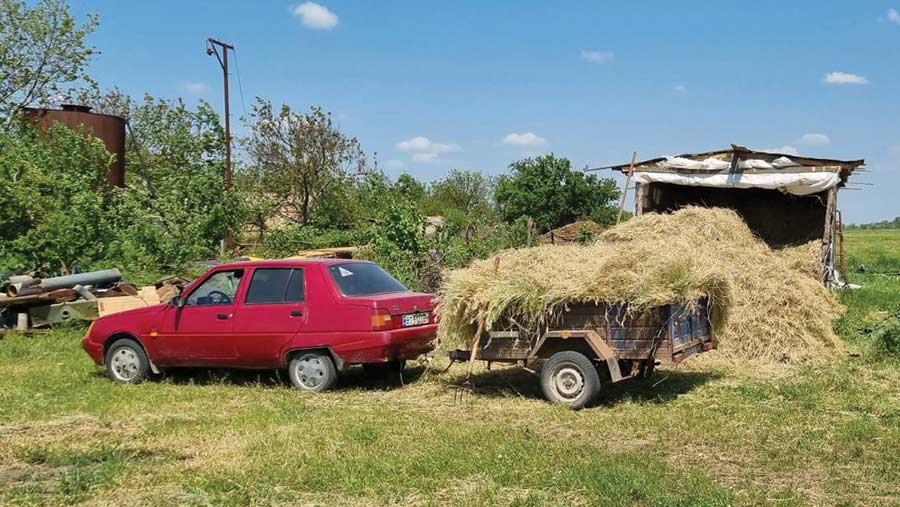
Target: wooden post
(638, 199)
(627, 183)
(474, 348)
(842, 258)
(828, 237)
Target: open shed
(785, 199)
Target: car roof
(287, 263)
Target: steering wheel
(217, 297)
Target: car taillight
(381, 320)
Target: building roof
(736, 154)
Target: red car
(313, 317)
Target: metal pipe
(85, 292)
(67, 282)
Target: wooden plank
(146, 297)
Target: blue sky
(432, 86)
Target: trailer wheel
(647, 368)
(570, 378)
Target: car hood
(137, 321)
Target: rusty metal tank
(108, 128)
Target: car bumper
(93, 349)
(396, 344)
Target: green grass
(706, 434)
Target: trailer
(588, 344)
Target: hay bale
(762, 307)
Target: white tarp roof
(797, 183)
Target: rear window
(363, 279)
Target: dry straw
(766, 305)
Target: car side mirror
(177, 301)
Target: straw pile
(765, 304)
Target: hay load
(764, 304)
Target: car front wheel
(126, 362)
(312, 371)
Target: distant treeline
(884, 224)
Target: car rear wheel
(570, 378)
(384, 369)
(126, 362)
(312, 371)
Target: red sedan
(313, 317)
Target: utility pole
(212, 48)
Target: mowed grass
(708, 433)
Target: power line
(237, 69)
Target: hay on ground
(763, 306)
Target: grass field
(708, 433)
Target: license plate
(415, 319)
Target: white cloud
(814, 139)
(784, 150)
(680, 88)
(315, 16)
(523, 139)
(420, 144)
(598, 56)
(193, 87)
(844, 78)
(893, 16)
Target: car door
(200, 332)
(270, 313)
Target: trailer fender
(593, 340)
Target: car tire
(380, 370)
(126, 362)
(312, 371)
(570, 378)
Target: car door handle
(297, 313)
(223, 316)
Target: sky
(432, 86)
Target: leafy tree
(176, 207)
(550, 192)
(42, 49)
(300, 157)
(410, 188)
(467, 192)
(54, 199)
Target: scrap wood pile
(30, 301)
(765, 304)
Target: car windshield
(363, 279)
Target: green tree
(300, 157)
(552, 194)
(465, 192)
(176, 208)
(42, 49)
(54, 199)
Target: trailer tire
(570, 378)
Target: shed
(785, 199)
